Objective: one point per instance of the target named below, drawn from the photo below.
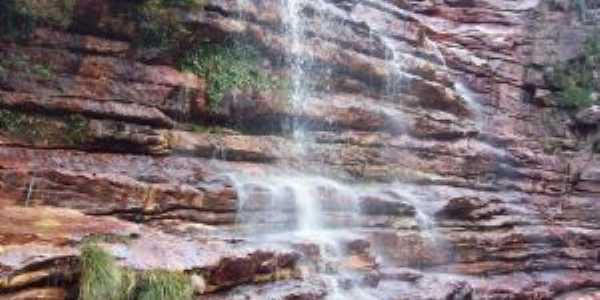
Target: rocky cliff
(431, 143)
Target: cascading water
(289, 205)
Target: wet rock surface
(422, 111)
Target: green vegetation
(159, 285)
(227, 67)
(76, 130)
(72, 130)
(18, 18)
(22, 125)
(102, 278)
(159, 26)
(23, 64)
(575, 80)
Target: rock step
(40, 243)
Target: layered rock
(497, 199)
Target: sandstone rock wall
(447, 97)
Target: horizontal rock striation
(452, 166)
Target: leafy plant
(160, 285)
(227, 67)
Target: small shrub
(574, 96)
(227, 67)
(575, 80)
(161, 285)
(101, 278)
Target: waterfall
(289, 205)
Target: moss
(101, 277)
(24, 66)
(76, 130)
(227, 67)
(22, 125)
(42, 130)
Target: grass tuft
(101, 277)
(161, 285)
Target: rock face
(438, 157)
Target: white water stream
(291, 205)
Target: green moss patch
(72, 130)
(76, 130)
(227, 67)
(16, 64)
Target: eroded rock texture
(469, 183)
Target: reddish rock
(438, 103)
